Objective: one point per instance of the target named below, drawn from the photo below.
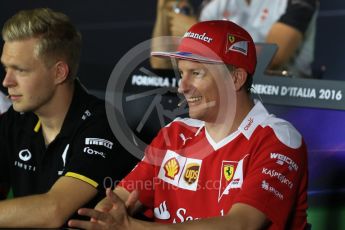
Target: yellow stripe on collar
(37, 126)
(83, 178)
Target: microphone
(183, 101)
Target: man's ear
(239, 76)
(61, 72)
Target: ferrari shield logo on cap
(231, 38)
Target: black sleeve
(4, 166)
(97, 157)
(299, 14)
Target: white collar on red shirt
(258, 115)
(254, 118)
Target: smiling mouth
(200, 106)
(194, 99)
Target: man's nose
(9, 79)
(184, 85)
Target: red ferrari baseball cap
(218, 41)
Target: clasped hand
(112, 214)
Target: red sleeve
(143, 176)
(276, 181)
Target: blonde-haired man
(56, 145)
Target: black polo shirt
(85, 149)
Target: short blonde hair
(58, 38)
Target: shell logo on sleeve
(171, 168)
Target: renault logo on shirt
(25, 155)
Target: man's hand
(111, 214)
(180, 23)
(165, 4)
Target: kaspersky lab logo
(138, 97)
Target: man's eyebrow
(10, 65)
(193, 68)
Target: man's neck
(54, 112)
(220, 130)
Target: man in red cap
(231, 165)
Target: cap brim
(185, 56)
